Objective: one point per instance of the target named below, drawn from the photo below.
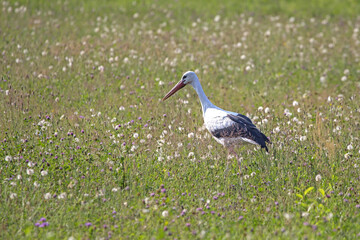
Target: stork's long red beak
(177, 87)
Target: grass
(87, 144)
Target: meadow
(89, 151)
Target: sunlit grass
(88, 150)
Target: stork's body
(228, 128)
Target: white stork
(228, 128)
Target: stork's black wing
(242, 127)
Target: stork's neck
(205, 102)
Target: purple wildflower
(44, 224)
(88, 224)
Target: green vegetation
(88, 150)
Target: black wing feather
(242, 127)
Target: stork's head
(188, 78)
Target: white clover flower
(136, 135)
(318, 178)
(303, 138)
(277, 129)
(305, 214)
(267, 110)
(350, 147)
(288, 216)
(122, 108)
(44, 173)
(217, 18)
(13, 195)
(114, 189)
(133, 148)
(260, 108)
(253, 174)
(295, 103)
(29, 171)
(191, 135)
(344, 78)
(287, 112)
(101, 68)
(347, 155)
(31, 164)
(8, 158)
(165, 213)
(149, 136)
(191, 154)
(47, 196)
(36, 184)
(322, 79)
(62, 195)
(346, 71)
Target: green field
(89, 151)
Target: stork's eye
(184, 77)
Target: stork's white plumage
(228, 128)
